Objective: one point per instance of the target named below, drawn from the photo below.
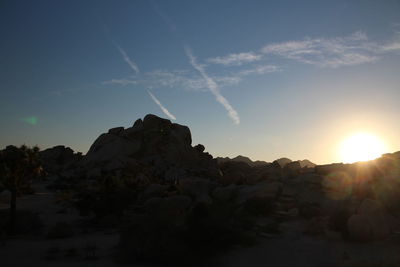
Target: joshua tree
(18, 166)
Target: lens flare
(30, 120)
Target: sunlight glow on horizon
(362, 146)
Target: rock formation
(164, 146)
(58, 158)
(152, 178)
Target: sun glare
(362, 147)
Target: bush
(71, 252)
(310, 210)
(110, 196)
(26, 221)
(207, 230)
(149, 239)
(258, 206)
(61, 230)
(338, 221)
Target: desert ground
(291, 248)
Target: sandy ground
(37, 250)
(292, 248)
(296, 249)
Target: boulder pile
(161, 145)
(151, 178)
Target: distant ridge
(281, 161)
(244, 159)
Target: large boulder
(110, 146)
(292, 168)
(282, 162)
(265, 190)
(234, 172)
(225, 193)
(154, 190)
(164, 146)
(371, 222)
(197, 188)
(58, 158)
(171, 210)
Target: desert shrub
(52, 253)
(309, 210)
(27, 221)
(61, 230)
(149, 239)
(90, 251)
(258, 206)
(207, 230)
(315, 227)
(4, 198)
(109, 196)
(71, 252)
(338, 220)
(272, 227)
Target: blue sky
(265, 79)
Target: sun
(361, 147)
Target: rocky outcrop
(371, 222)
(58, 159)
(305, 163)
(164, 146)
(244, 159)
(152, 171)
(282, 162)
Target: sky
(264, 79)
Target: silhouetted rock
(200, 148)
(154, 190)
(305, 163)
(292, 167)
(265, 190)
(330, 168)
(156, 142)
(171, 210)
(371, 222)
(244, 159)
(58, 158)
(282, 161)
(151, 178)
(197, 188)
(116, 130)
(225, 193)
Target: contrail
(126, 58)
(213, 86)
(166, 112)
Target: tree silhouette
(18, 166)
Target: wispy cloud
(391, 47)
(179, 79)
(126, 58)
(230, 70)
(174, 79)
(168, 21)
(123, 81)
(165, 110)
(394, 44)
(263, 69)
(212, 86)
(353, 49)
(327, 52)
(236, 59)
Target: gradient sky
(265, 79)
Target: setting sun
(361, 147)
